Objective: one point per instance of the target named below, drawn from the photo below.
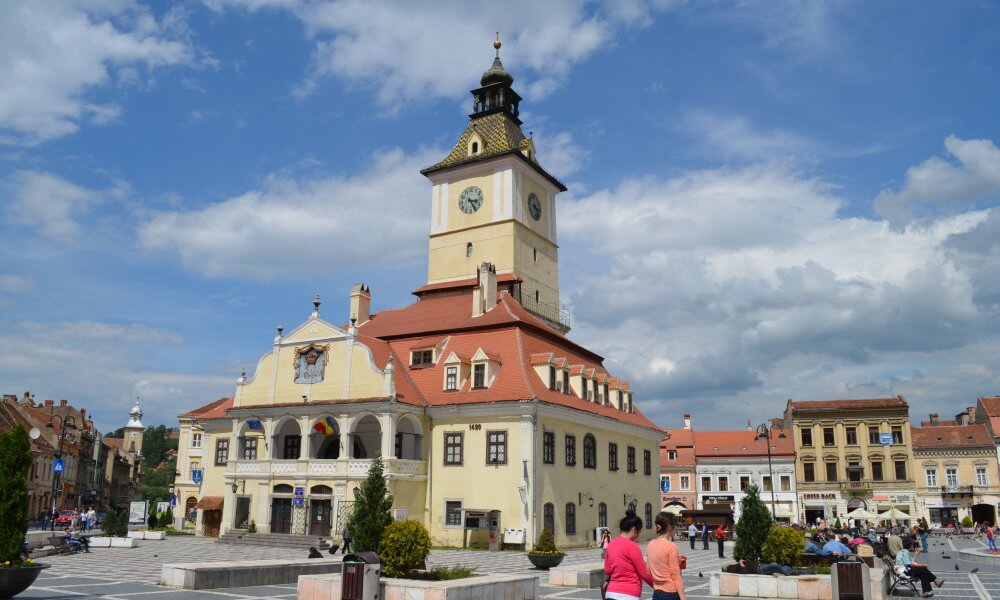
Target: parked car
(65, 517)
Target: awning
(674, 509)
(210, 503)
(783, 511)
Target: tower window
(534, 252)
(468, 249)
(475, 147)
(536, 296)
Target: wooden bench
(808, 559)
(60, 545)
(896, 580)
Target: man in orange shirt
(720, 537)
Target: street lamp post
(764, 433)
(65, 422)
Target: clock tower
(133, 431)
(492, 202)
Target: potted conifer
(17, 572)
(545, 555)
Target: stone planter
(100, 542)
(512, 587)
(136, 535)
(154, 535)
(801, 587)
(15, 581)
(125, 542)
(545, 561)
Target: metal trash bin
(850, 580)
(360, 576)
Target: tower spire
(497, 44)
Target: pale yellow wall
(460, 220)
(447, 258)
(541, 273)
(528, 186)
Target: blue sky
(766, 200)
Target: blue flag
(255, 424)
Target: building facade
(486, 416)
(677, 470)
(852, 454)
(956, 471)
(728, 462)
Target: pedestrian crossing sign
(58, 466)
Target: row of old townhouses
(826, 458)
(97, 471)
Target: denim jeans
(661, 595)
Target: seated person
(314, 553)
(76, 541)
(811, 547)
(748, 567)
(912, 568)
(836, 547)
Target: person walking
(991, 542)
(910, 567)
(922, 530)
(692, 534)
(665, 561)
(605, 541)
(720, 537)
(704, 535)
(346, 534)
(624, 565)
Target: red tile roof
(864, 403)
(972, 436)
(459, 284)
(939, 423)
(113, 442)
(710, 444)
(991, 405)
(210, 410)
(11, 417)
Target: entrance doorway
(814, 514)
(982, 513)
(211, 522)
(281, 515)
(242, 518)
(320, 512)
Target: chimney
(484, 297)
(49, 403)
(83, 415)
(934, 418)
(361, 303)
(62, 403)
(687, 420)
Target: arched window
(570, 518)
(468, 249)
(589, 452)
(602, 515)
(283, 488)
(189, 511)
(649, 516)
(321, 490)
(549, 516)
(475, 147)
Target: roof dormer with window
(457, 369)
(485, 367)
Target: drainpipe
(534, 473)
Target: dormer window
(423, 356)
(479, 375)
(552, 377)
(566, 388)
(584, 393)
(451, 378)
(475, 147)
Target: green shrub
(753, 526)
(404, 547)
(152, 520)
(967, 521)
(372, 510)
(252, 527)
(546, 544)
(836, 524)
(823, 569)
(15, 461)
(456, 572)
(116, 523)
(783, 545)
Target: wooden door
(281, 515)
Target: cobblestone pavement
(133, 574)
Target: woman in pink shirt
(664, 561)
(624, 564)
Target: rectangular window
(291, 449)
(249, 448)
(451, 378)
(496, 447)
(831, 471)
(853, 471)
(552, 377)
(766, 485)
(900, 470)
(566, 387)
(196, 440)
(807, 437)
(852, 436)
(607, 395)
(630, 459)
(669, 483)
(453, 513)
(744, 482)
(723, 484)
(549, 447)
(897, 435)
(584, 393)
(877, 474)
(479, 375)
(589, 452)
(786, 483)
(421, 357)
(808, 472)
(194, 466)
(454, 442)
(951, 476)
(671, 455)
(221, 452)
(685, 482)
(612, 457)
(981, 476)
(647, 462)
(828, 436)
(931, 475)
(570, 450)
(873, 436)
(706, 484)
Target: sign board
(58, 465)
(137, 512)
(718, 499)
(162, 507)
(300, 492)
(664, 485)
(819, 496)
(196, 475)
(173, 501)
(885, 439)
(298, 501)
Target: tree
(15, 460)
(154, 445)
(372, 511)
(754, 524)
(118, 434)
(156, 483)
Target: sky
(767, 200)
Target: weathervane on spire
(497, 43)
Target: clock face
(534, 206)
(470, 200)
(133, 435)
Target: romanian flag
(324, 426)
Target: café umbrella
(893, 515)
(862, 514)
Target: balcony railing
(856, 485)
(957, 490)
(349, 467)
(555, 314)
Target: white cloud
(408, 55)
(55, 54)
(560, 154)
(939, 186)
(746, 286)
(16, 284)
(288, 227)
(736, 137)
(48, 203)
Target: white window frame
(981, 476)
(930, 475)
(196, 440)
(686, 483)
(951, 476)
(461, 505)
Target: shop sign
(901, 498)
(882, 498)
(819, 496)
(718, 499)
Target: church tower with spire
(492, 202)
(133, 431)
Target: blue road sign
(173, 501)
(664, 485)
(300, 491)
(885, 439)
(58, 466)
(196, 475)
